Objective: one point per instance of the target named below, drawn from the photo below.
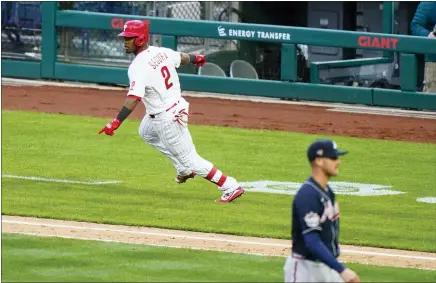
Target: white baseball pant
(298, 269)
(171, 137)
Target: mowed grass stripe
(68, 147)
(62, 260)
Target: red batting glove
(110, 127)
(200, 60)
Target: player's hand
(432, 35)
(110, 127)
(200, 60)
(349, 276)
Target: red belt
(152, 116)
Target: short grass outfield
(68, 147)
(38, 259)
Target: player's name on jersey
(155, 61)
(254, 34)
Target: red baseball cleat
(231, 196)
(181, 179)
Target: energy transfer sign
(254, 34)
(341, 188)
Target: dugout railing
(288, 37)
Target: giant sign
(378, 42)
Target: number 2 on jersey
(166, 75)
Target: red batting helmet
(138, 29)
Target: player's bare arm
(198, 60)
(129, 105)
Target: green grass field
(68, 147)
(34, 259)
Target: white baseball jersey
(154, 79)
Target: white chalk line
(205, 238)
(426, 115)
(182, 247)
(142, 233)
(59, 180)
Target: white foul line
(142, 233)
(384, 112)
(58, 180)
(204, 238)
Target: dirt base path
(231, 113)
(224, 112)
(203, 241)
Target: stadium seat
(211, 69)
(243, 69)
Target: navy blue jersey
(314, 210)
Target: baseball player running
(154, 80)
(315, 223)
